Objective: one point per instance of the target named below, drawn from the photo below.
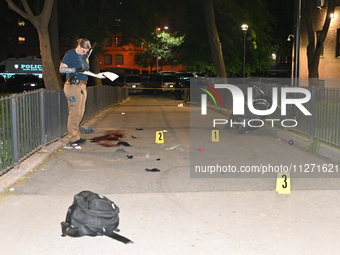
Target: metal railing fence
(324, 122)
(31, 120)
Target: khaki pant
(76, 98)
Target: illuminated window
(119, 41)
(108, 59)
(119, 59)
(21, 40)
(21, 23)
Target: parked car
(183, 85)
(2, 83)
(161, 82)
(133, 82)
(23, 82)
(166, 72)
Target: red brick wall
(329, 66)
(129, 51)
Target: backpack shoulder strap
(118, 237)
(69, 230)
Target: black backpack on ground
(92, 214)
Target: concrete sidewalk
(247, 222)
(168, 212)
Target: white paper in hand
(109, 75)
(103, 75)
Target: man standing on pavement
(74, 63)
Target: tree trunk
(315, 40)
(214, 40)
(40, 22)
(49, 73)
(54, 37)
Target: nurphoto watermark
(234, 125)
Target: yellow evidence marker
(215, 135)
(283, 183)
(159, 137)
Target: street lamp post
(244, 28)
(297, 42)
(157, 29)
(291, 39)
(157, 58)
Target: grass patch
(315, 146)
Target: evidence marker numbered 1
(283, 183)
(215, 136)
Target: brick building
(329, 66)
(121, 58)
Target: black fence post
(43, 132)
(14, 129)
(313, 110)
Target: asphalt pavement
(170, 212)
